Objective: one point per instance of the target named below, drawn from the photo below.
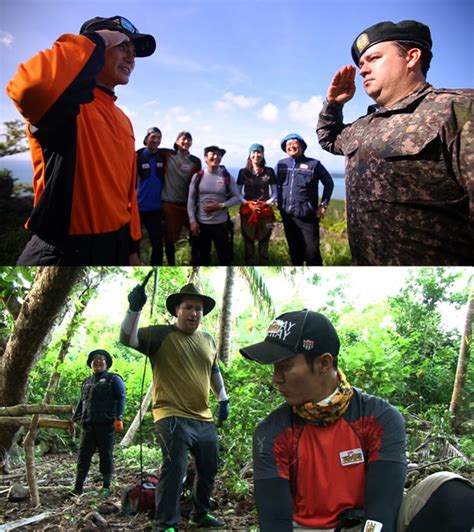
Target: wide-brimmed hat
(104, 353)
(190, 290)
(302, 331)
(214, 149)
(144, 44)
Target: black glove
(137, 298)
(223, 412)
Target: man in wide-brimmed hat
(184, 363)
(100, 412)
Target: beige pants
(413, 502)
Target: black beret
(406, 30)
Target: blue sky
(235, 72)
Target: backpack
(140, 496)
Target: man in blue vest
(150, 175)
(298, 179)
(100, 413)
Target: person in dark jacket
(100, 413)
(85, 206)
(298, 178)
(333, 456)
(150, 177)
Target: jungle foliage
(399, 348)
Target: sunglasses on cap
(119, 21)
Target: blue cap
(292, 136)
(256, 147)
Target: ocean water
(22, 170)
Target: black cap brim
(267, 352)
(145, 44)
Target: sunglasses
(121, 22)
(125, 24)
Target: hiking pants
(177, 436)
(93, 437)
(302, 236)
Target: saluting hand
(342, 87)
(112, 38)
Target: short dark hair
(426, 55)
(310, 358)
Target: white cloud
(269, 113)
(231, 101)
(6, 38)
(150, 103)
(128, 112)
(305, 113)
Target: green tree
(14, 138)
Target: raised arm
(129, 328)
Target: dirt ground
(90, 512)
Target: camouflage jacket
(409, 178)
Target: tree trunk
(42, 305)
(463, 360)
(130, 435)
(225, 323)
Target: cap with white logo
(302, 331)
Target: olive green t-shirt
(181, 365)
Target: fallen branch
(429, 464)
(26, 521)
(20, 410)
(50, 422)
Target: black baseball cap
(405, 30)
(144, 44)
(151, 130)
(302, 331)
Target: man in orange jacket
(82, 145)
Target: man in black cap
(211, 193)
(184, 365)
(100, 413)
(85, 206)
(409, 161)
(333, 457)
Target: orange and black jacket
(82, 145)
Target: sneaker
(206, 521)
(104, 492)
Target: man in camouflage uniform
(409, 161)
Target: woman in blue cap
(257, 184)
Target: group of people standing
(409, 162)
(174, 191)
(330, 458)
